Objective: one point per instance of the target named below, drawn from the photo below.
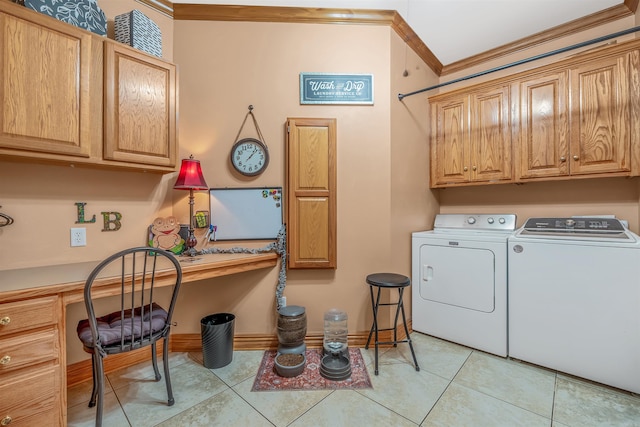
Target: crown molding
(163, 6)
(215, 12)
(594, 20)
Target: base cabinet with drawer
(32, 385)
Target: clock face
(249, 156)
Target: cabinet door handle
(5, 421)
(5, 321)
(5, 359)
(576, 158)
(474, 168)
(563, 159)
(465, 169)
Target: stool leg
(374, 328)
(406, 329)
(366, 347)
(395, 320)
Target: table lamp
(190, 178)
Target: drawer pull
(5, 321)
(5, 360)
(5, 421)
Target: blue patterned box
(137, 30)
(81, 13)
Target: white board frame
(246, 213)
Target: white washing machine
(574, 298)
(459, 280)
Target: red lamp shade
(190, 176)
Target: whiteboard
(246, 213)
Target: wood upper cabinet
(140, 107)
(471, 137)
(573, 118)
(541, 135)
(311, 193)
(45, 75)
(600, 122)
(576, 120)
(450, 141)
(70, 96)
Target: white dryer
(459, 280)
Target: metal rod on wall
(523, 61)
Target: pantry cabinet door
(311, 193)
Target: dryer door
(458, 276)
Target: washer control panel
(479, 222)
(567, 225)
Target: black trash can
(217, 340)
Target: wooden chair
(133, 275)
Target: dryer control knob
(490, 220)
(471, 220)
(502, 221)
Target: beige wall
(413, 204)
(617, 196)
(225, 67)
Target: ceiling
(457, 29)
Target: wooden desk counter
(68, 279)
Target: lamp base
(190, 243)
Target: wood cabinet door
(600, 119)
(490, 135)
(543, 125)
(450, 158)
(311, 193)
(44, 72)
(140, 107)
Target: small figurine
(165, 234)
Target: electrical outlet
(78, 237)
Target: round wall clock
(250, 156)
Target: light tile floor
(456, 386)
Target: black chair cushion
(109, 326)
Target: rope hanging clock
(250, 156)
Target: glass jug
(335, 332)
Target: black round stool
(389, 281)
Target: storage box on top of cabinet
(137, 30)
(85, 14)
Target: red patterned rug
(310, 379)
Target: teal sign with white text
(323, 88)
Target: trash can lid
(291, 310)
